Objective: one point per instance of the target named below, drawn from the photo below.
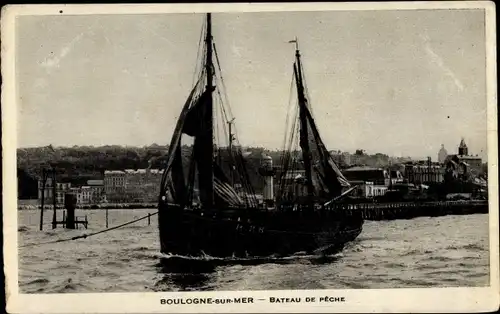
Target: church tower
(462, 148)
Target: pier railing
(408, 210)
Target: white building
(132, 186)
(88, 195)
(48, 192)
(372, 190)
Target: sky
(395, 82)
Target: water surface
(445, 251)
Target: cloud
(440, 63)
(54, 61)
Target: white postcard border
(356, 300)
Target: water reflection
(184, 274)
(188, 274)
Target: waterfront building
(378, 176)
(372, 190)
(366, 189)
(424, 172)
(96, 188)
(473, 164)
(114, 186)
(88, 194)
(371, 181)
(48, 192)
(396, 176)
(132, 185)
(84, 195)
(95, 182)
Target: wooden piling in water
(54, 198)
(70, 204)
(44, 180)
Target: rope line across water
(83, 236)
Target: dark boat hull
(254, 233)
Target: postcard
(279, 157)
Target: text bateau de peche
(307, 299)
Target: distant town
(115, 175)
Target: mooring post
(149, 219)
(44, 179)
(54, 198)
(70, 204)
(106, 217)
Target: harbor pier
(409, 210)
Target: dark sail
(167, 189)
(192, 122)
(178, 181)
(332, 178)
(196, 116)
(198, 124)
(323, 179)
(304, 134)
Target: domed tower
(442, 154)
(462, 148)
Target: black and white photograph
(291, 157)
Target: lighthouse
(267, 173)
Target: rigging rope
(224, 90)
(200, 48)
(288, 137)
(236, 155)
(84, 236)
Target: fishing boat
(207, 205)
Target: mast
(390, 175)
(304, 141)
(206, 173)
(231, 138)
